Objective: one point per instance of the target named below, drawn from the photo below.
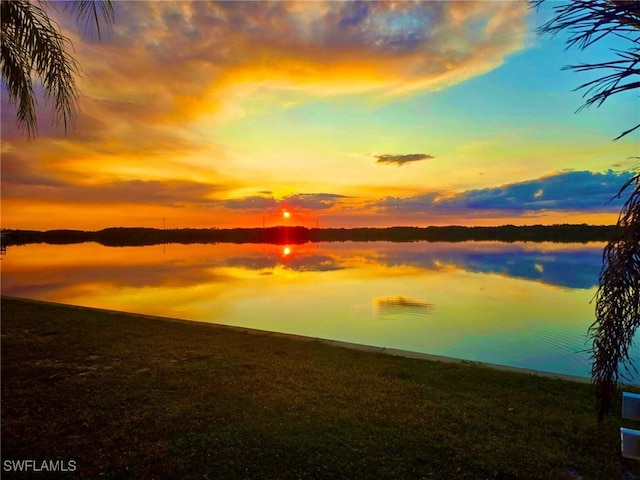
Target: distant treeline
(295, 235)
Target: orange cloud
(167, 63)
(179, 60)
(168, 71)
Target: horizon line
(4, 229)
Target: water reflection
(521, 304)
(569, 266)
(401, 305)
(298, 258)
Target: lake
(519, 304)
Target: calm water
(522, 304)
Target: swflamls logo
(39, 465)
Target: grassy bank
(132, 397)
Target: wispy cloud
(155, 89)
(305, 201)
(400, 160)
(169, 60)
(314, 201)
(252, 203)
(165, 193)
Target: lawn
(125, 396)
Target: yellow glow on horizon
(239, 137)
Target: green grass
(135, 397)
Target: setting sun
(344, 115)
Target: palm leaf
(33, 45)
(589, 21)
(618, 296)
(617, 302)
(89, 12)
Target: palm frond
(618, 296)
(89, 13)
(16, 74)
(32, 42)
(617, 302)
(589, 21)
(627, 131)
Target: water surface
(521, 304)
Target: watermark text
(39, 466)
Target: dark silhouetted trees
(294, 235)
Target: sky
(344, 114)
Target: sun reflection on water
(524, 305)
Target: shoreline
(137, 396)
(337, 343)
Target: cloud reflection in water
(401, 305)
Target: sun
(286, 214)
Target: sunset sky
(225, 114)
